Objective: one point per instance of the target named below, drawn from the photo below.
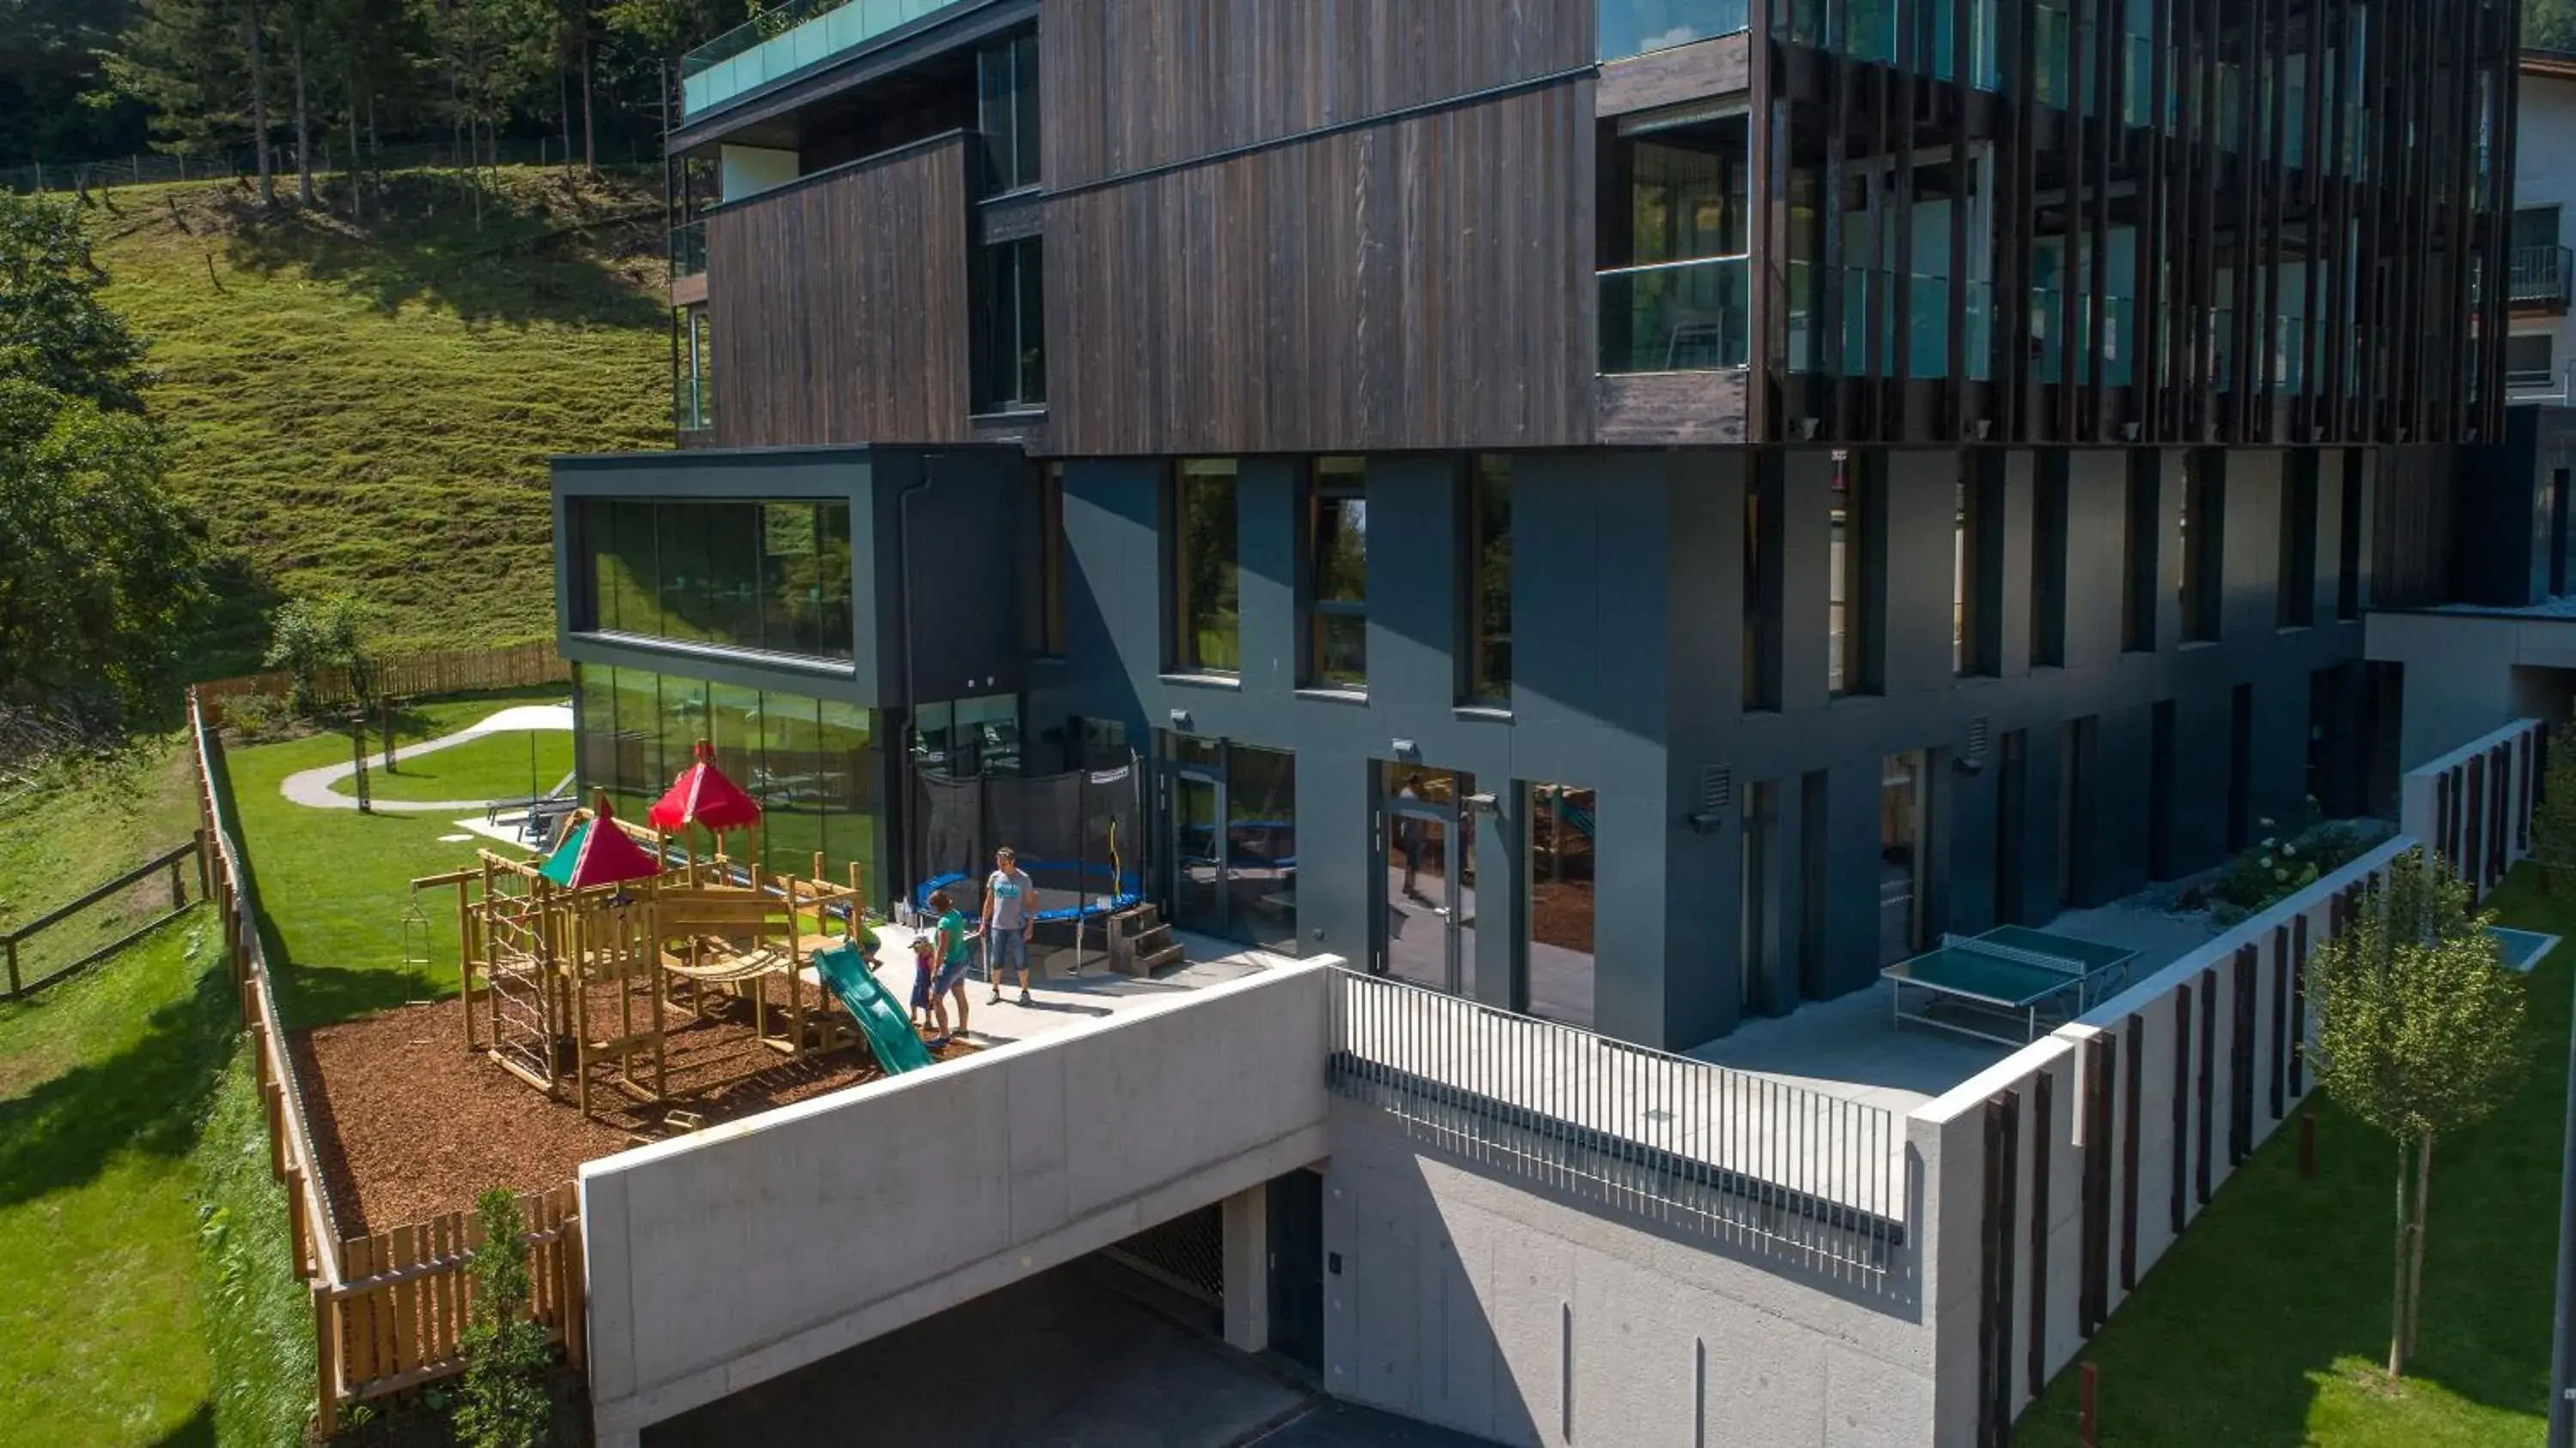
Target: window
(2535, 226)
(772, 576)
(2197, 544)
(1010, 326)
(1761, 584)
(1008, 112)
(2349, 536)
(693, 399)
(1336, 655)
(2048, 560)
(2531, 362)
(1975, 562)
(1489, 581)
(2297, 606)
(2138, 551)
(1051, 560)
(1559, 921)
(1207, 635)
(634, 729)
(1847, 598)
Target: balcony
(778, 43)
(2541, 386)
(2540, 278)
(1638, 27)
(1678, 316)
(693, 404)
(688, 250)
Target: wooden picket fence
(449, 671)
(388, 1308)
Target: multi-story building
(1864, 470)
(2540, 347)
(1639, 513)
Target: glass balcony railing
(782, 41)
(1922, 331)
(1678, 316)
(1634, 27)
(688, 250)
(693, 404)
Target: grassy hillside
(368, 409)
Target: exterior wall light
(1181, 721)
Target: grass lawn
(143, 1255)
(61, 842)
(368, 409)
(501, 765)
(2268, 1323)
(334, 884)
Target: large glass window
(1231, 821)
(1206, 574)
(1761, 582)
(1489, 581)
(772, 576)
(811, 763)
(1010, 326)
(2138, 550)
(1674, 280)
(1337, 575)
(2297, 605)
(1008, 112)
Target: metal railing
(2539, 277)
(781, 41)
(2541, 385)
(1728, 1154)
(688, 249)
(1677, 316)
(1635, 27)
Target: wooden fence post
(326, 1356)
(178, 892)
(11, 946)
(2088, 1414)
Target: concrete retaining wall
(2143, 1021)
(1513, 1313)
(723, 1259)
(2452, 802)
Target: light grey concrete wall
(2460, 672)
(722, 1259)
(1498, 1309)
(1950, 1133)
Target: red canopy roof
(703, 796)
(599, 853)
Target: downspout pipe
(902, 811)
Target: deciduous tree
(2421, 1035)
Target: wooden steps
(1140, 943)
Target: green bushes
(505, 1402)
(2277, 866)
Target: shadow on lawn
(539, 256)
(150, 1097)
(197, 1432)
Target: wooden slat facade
(1420, 283)
(2226, 277)
(1133, 84)
(839, 304)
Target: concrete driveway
(1059, 1361)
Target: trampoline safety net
(1077, 835)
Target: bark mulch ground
(408, 1124)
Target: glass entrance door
(1426, 933)
(1197, 852)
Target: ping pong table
(2036, 981)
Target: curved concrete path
(312, 787)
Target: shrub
(2276, 867)
(311, 635)
(504, 1401)
(258, 717)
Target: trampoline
(1068, 890)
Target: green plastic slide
(881, 1018)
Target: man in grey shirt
(1009, 897)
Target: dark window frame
(2140, 543)
(1006, 112)
(2296, 604)
(1182, 650)
(2050, 494)
(716, 603)
(1855, 484)
(1479, 685)
(1330, 479)
(1008, 356)
(1762, 584)
(1051, 620)
(2200, 546)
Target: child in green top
(953, 952)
